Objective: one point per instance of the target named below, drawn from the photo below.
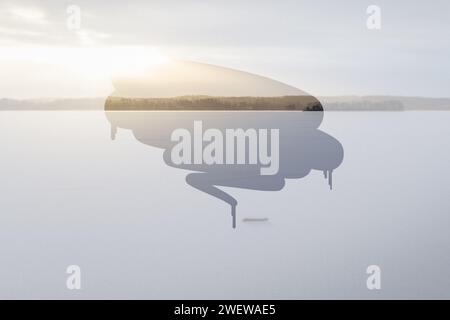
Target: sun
(75, 71)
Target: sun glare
(91, 61)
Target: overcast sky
(322, 47)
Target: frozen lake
(73, 196)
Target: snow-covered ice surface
(72, 196)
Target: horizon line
(47, 99)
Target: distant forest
(205, 103)
(383, 103)
(330, 103)
(366, 105)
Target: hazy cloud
(321, 46)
